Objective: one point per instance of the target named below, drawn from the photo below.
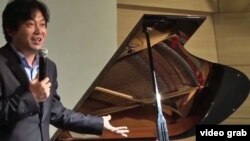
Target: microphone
(43, 54)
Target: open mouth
(37, 40)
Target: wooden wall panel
(191, 5)
(232, 36)
(234, 5)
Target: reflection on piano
(193, 91)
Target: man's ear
(10, 32)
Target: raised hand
(40, 89)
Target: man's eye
(43, 24)
(29, 24)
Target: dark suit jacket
(19, 112)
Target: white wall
(2, 5)
(81, 40)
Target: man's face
(31, 34)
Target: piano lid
(193, 91)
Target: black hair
(19, 11)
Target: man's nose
(37, 29)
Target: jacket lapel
(14, 64)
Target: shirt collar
(24, 60)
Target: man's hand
(40, 90)
(122, 130)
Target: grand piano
(193, 90)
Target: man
(27, 105)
